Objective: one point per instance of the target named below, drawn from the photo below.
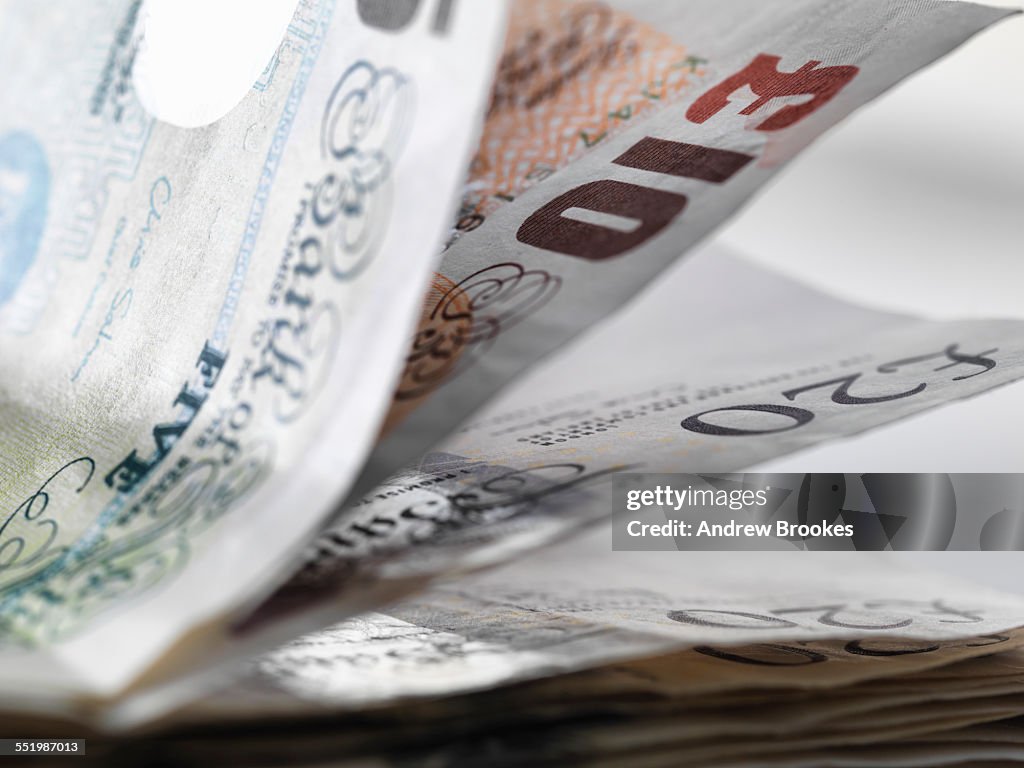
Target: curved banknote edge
(200, 328)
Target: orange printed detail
(762, 76)
(571, 76)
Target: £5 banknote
(199, 328)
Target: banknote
(193, 322)
(820, 619)
(381, 688)
(644, 394)
(617, 138)
(635, 711)
(760, 721)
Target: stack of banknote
(229, 418)
(572, 657)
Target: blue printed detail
(226, 316)
(24, 195)
(81, 550)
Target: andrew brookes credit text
(692, 498)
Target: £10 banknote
(614, 142)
